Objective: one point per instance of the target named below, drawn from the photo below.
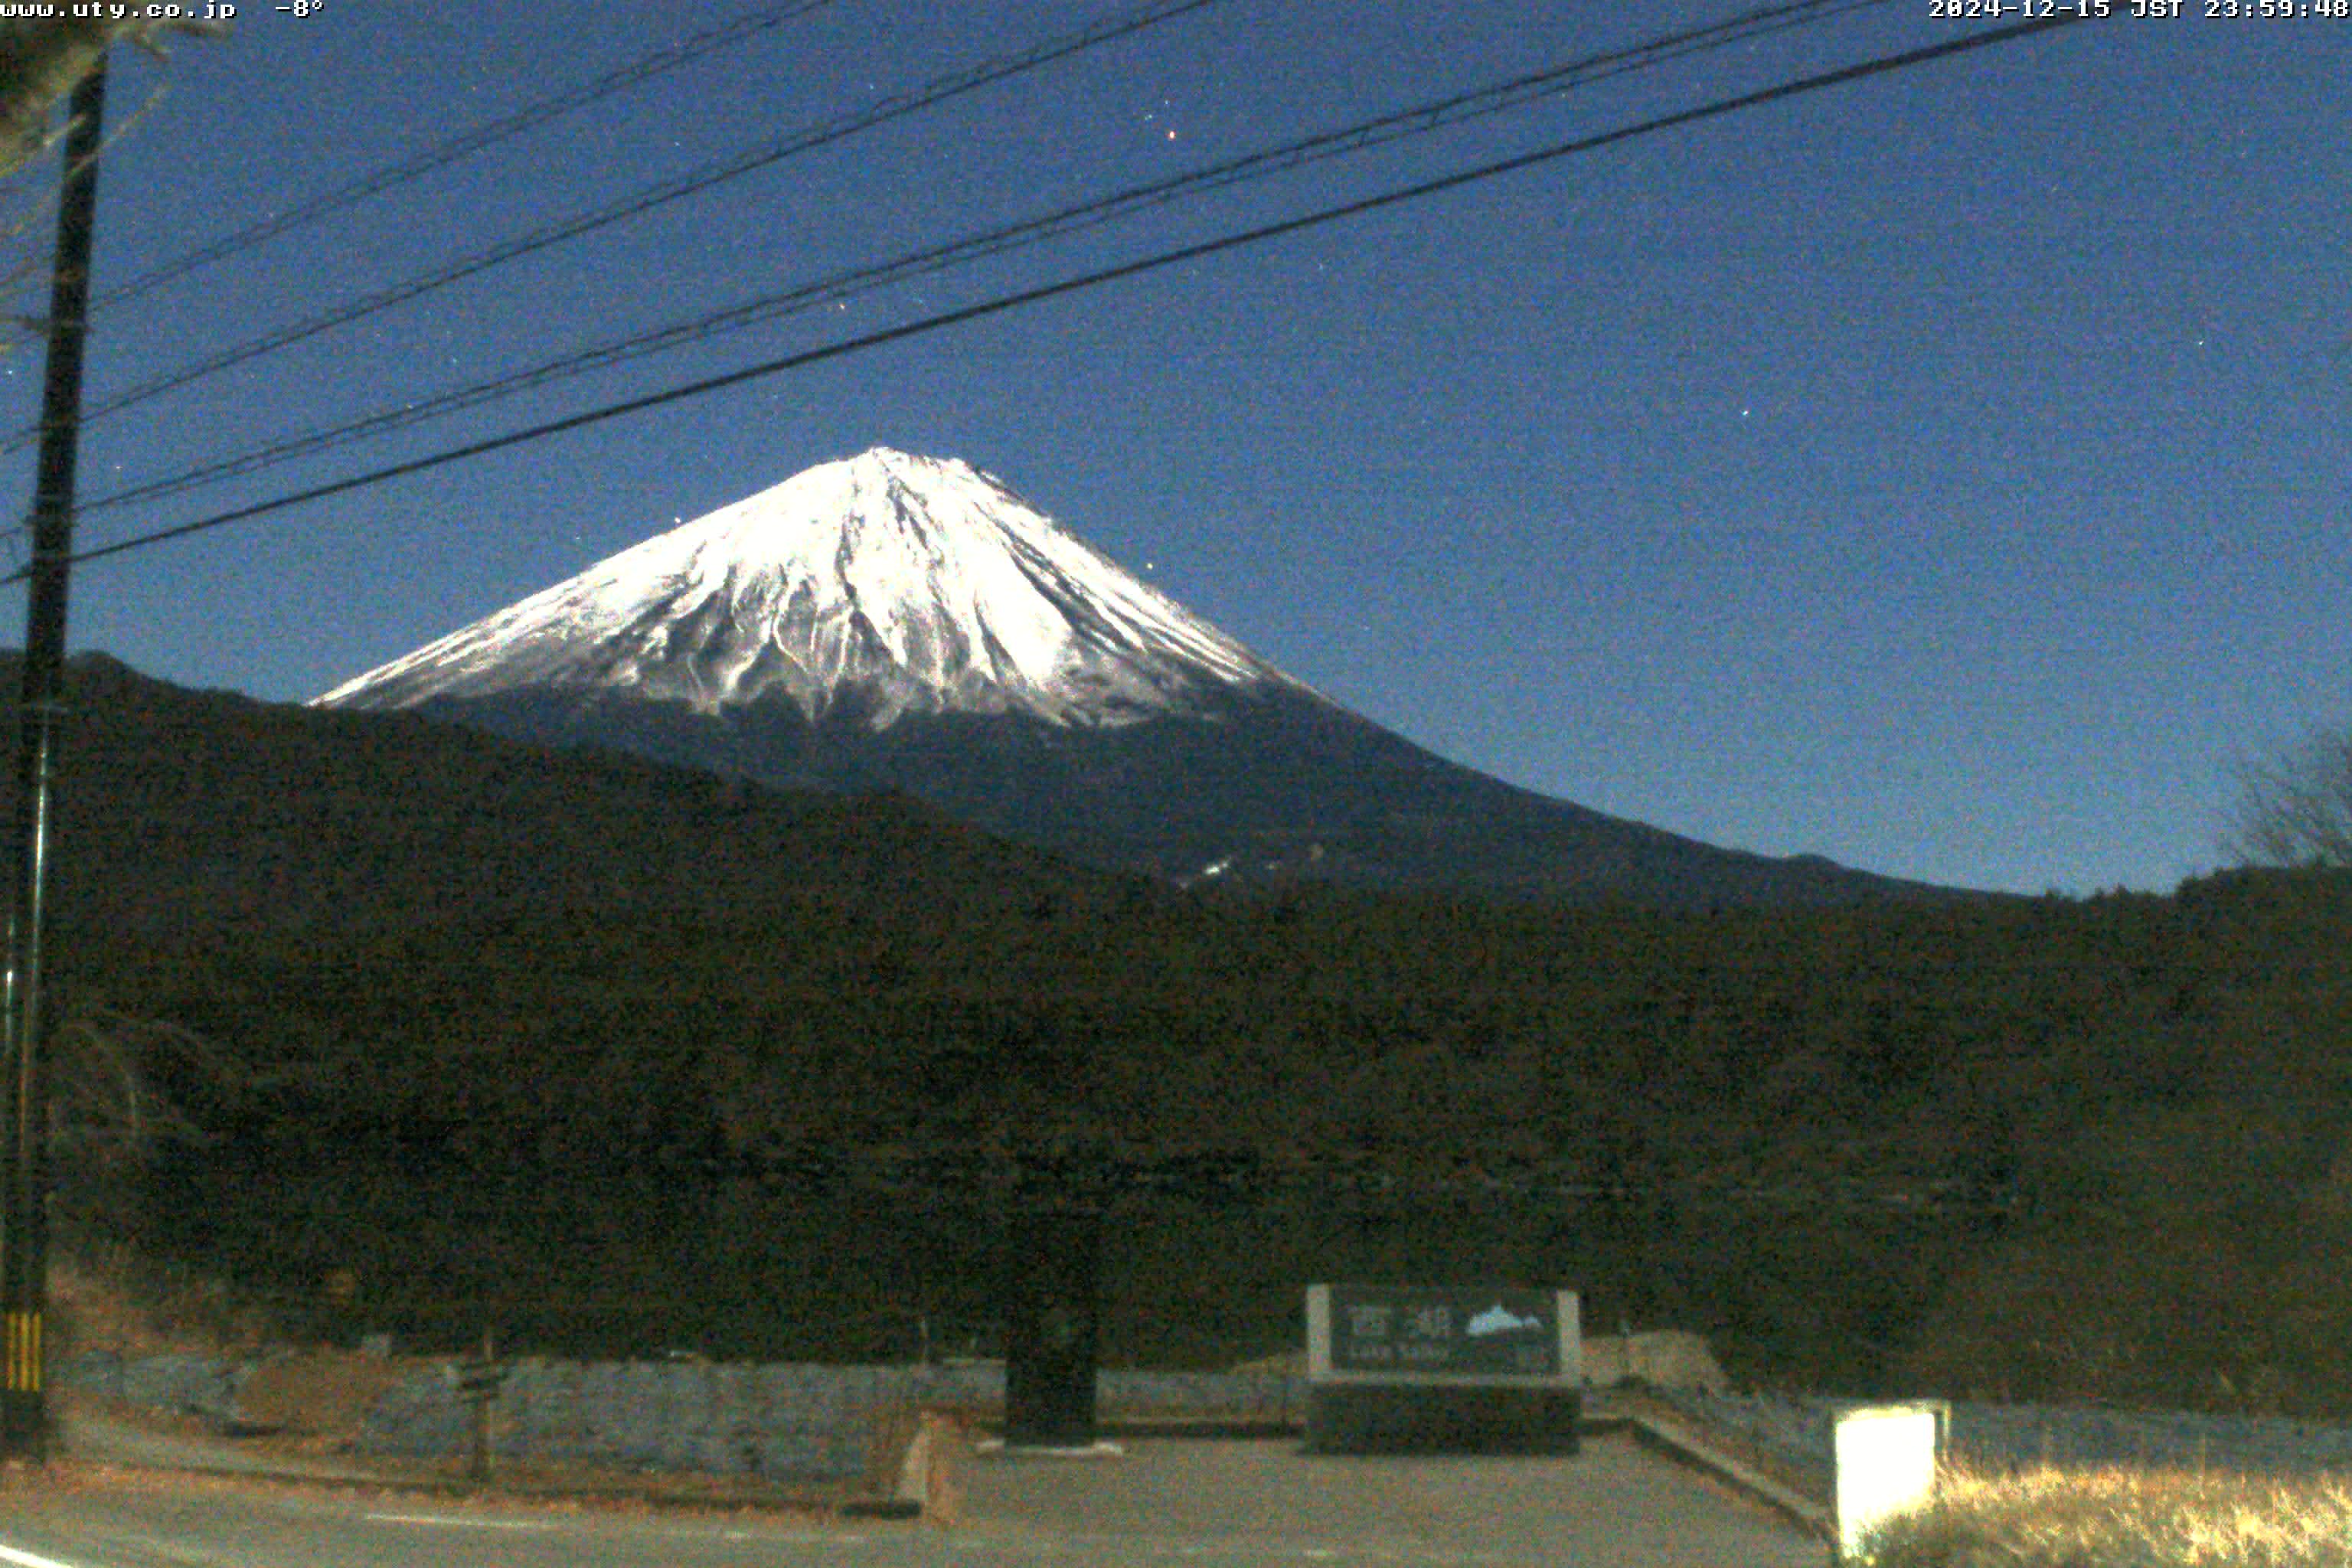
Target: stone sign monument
(1050, 1327)
(1443, 1368)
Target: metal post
(24, 1141)
(1053, 1323)
(481, 1387)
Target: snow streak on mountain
(881, 585)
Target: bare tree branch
(107, 1105)
(2295, 808)
(42, 61)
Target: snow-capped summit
(885, 583)
(900, 622)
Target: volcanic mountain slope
(892, 621)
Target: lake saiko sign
(1473, 1333)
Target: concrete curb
(99, 1443)
(915, 1468)
(75, 1446)
(511, 1491)
(922, 1470)
(1221, 1427)
(1667, 1432)
(1683, 1441)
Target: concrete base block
(1404, 1418)
(998, 1449)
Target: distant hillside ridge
(180, 812)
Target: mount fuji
(899, 622)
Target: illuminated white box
(1887, 1457)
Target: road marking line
(453, 1520)
(29, 1559)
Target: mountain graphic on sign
(1500, 1319)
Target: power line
(1005, 302)
(468, 143)
(1421, 119)
(675, 189)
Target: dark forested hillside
(184, 812)
(678, 1063)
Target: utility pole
(24, 1134)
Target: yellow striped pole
(24, 1368)
(24, 1126)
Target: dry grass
(2125, 1519)
(106, 1300)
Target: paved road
(1206, 1505)
(1613, 1506)
(154, 1523)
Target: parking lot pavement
(1198, 1503)
(1615, 1505)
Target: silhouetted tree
(2295, 808)
(42, 60)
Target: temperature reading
(304, 8)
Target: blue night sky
(1944, 472)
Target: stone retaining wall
(770, 1421)
(182, 1385)
(788, 1420)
